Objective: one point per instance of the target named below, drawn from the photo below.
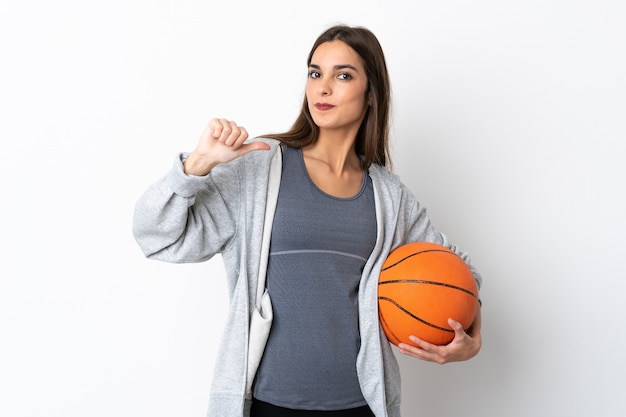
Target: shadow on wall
(464, 389)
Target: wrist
(196, 166)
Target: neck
(336, 152)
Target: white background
(509, 125)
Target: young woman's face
(336, 89)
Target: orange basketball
(421, 285)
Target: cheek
(309, 94)
(357, 99)
(357, 96)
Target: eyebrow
(336, 67)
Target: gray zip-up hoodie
(183, 218)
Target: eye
(314, 74)
(344, 76)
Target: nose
(324, 87)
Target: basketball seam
(390, 334)
(415, 254)
(420, 281)
(404, 310)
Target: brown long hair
(372, 141)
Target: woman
(337, 214)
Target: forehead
(336, 53)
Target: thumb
(253, 146)
(456, 326)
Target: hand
(464, 346)
(222, 141)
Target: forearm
(183, 219)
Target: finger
(215, 128)
(407, 349)
(428, 351)
(230, 130)
(459, 332)
(225, 130)
(253, 146)
(232, 134)
(240, 138)
(419, 353)
(243, 134)
(456, 326)
(422, 344)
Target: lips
(323, 106)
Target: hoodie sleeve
(182, 218)
(420, 228)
